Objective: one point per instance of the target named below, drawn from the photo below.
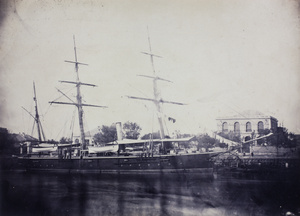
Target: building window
(248, 127)
(225, 127)
(237, 127)
(260, 126)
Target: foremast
(78, 102)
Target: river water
(220, 194)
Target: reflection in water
(60, 194)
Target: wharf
(257, 163)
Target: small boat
(103, 149)
(43, 149)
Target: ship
(123, 156)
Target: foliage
(65, 140)
(131, 130)
(272, 140)
(236, 137)
(282, 138)
(6, 142)
(263, 132)
(106, 135)
(222, 145)
(53, 141)
(9, 142)
(205, 141)
(155, 135)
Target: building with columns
(247, 124)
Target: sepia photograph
(150, 108)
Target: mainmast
(158, 101)
(157, 97)
(78, 102)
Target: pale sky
(223, 57)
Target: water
(62, 194)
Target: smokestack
(119, 130)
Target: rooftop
(248, 114)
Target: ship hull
(186, 163)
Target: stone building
(247, 124)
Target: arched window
(260, 126)
(225, 127)
(248, 127)
(237, 127)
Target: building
(89, 136)
(89, 140)
(247, 125)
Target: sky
(223, 57)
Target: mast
(37, 118)
(78, 102)
(157, 98)
(158, 101)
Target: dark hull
(187, 163)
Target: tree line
(131, 130)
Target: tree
(155, 135)
(6, 143)
(65, 140)
(106, 135)
(285, 139)
(222, 145)
(236, 137)
(282, 138)
(131, 130)
(271, 140)
(205, 141)
(55, 142)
